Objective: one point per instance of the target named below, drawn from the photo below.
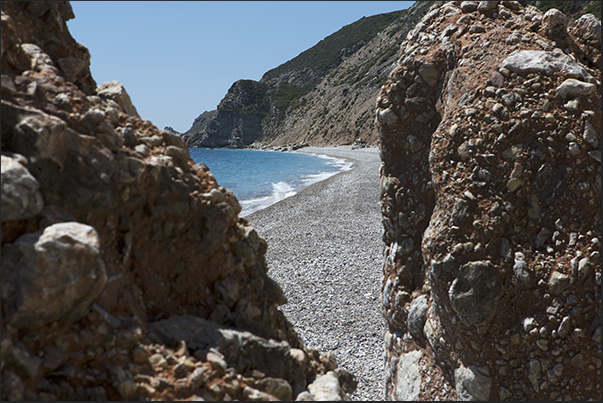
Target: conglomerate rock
(490, 186)
(111, 234)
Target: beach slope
(325, 250)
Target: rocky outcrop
(126, 271)
(114, 91)
(238, 120)
(489, 131)
(58, 52)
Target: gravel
(325, 250)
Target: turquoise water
(261, 178)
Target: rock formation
(126, 271)
(116, 92)
(489, 131)
(238, 120)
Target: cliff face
(236, 123)
(126, 271)
(323, 96)
(489, 132)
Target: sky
(177, 59)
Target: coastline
(325, 250)
(340, 153)
(269, 176)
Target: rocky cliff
(126, 271)
(489, 132)
(323, 96)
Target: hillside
(302, 100)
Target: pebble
(503, 393)
(183, 368)
(520, 269)
(542, 344)
(572, 106)
(558, 283)
(196, 378)
(577, 360)
(140, 356)
(326, 314)
(564, 327)
(157, 360)
(528, 324)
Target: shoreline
(341, 153)
(325, 250)
(266, 179)
(330, 152)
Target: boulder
(115, 91)
(51, 274)
(35, 133)
(472, 383)
(21, 197)
(475, 293)
(469, 6)
(38, 58)
(416, 316)
(572, 88)
(554, 25)
(558, 282)
(524, 62)
(241, 349)
(429, 74)
(326, 388)
(276, 387)
(408, 381)
(488, 8)
(587, 28)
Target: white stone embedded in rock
(21, 197)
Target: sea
(261, 178)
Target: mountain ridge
(263, 111)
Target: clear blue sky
(178, 59)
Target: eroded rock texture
(490, 185)
(126, 271)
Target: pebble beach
(325, 250)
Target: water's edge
(282, 189)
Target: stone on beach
(332, 243)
